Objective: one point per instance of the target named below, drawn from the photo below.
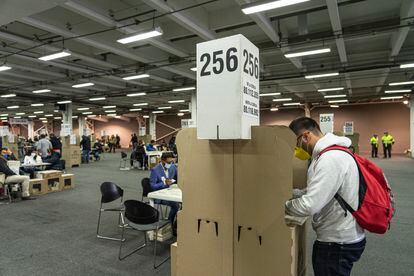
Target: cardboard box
(154, 161)
(53, 179)
(48, 174)
(68, 181)
(232, 222)
(174, 259)
(38, 187)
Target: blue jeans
(174, 207)
(85, 156)
(333, 259)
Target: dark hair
(42, 136)
(166, 155)
(304, 123)
(152, 141)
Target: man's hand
(168, 182)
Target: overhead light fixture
(194, 69)
(334, 96)
(338, 101)
(180, 114)
(331, 89)
(274, 109)
(44, 121)
(64, 102)
(56, 111)
(83, 108)
(291, 104)
(392, 98)
(268, 5)
(57, 55)
(269, 94)
(137, 94)
(17, 117)
(38, 112)
(401, 83)
(177, 101)
(184, 110)
(334, 106)
(13, 107)
(140, 104)
(158, 111)
(87, 112)
(282, 100)
(141, 36)
(20, 113)
(49, 115)
(397, 91)
(308, 53)
(42, 118)
(405, 102)
(97, 99)
(4, 68)
(85, 84)
(111, 115)
(164, 107)
(110, 111)
(407, 65)
(321, 75)
(146, 116)
(40, 91)
(4, 115)
(91, 116)
(37, 104)
(141, 76)
(109, 106)
(74, 117)
(135, 109)
(57, 118)
(184, 89)
(3, 118)
(32, 116)
(8, 96)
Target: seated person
(151, 147)
(12, 178)
(138, 154)
(163, 176)
(8, 154)
(54, 160)
(31, 158)
(97, 149)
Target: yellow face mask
(302, 154)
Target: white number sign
(326, 122)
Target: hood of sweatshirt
(329, 140)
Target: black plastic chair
(146, 187)
(110, 192)
(144, 218)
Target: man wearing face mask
(340, 240)
(162, 177)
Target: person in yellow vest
(387, 142)
(374, 146)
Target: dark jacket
(86, 143)
(56, 144)
(4, 168)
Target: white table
(169, 194)
(34, 165)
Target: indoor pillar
(30, 129)
(82, 125)
(307, 110)
(412, 126)
(152, 126)
(67, 116)
(193, 107)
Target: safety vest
(374, 141)
(387, 140)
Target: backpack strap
(345, 206)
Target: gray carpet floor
(55, 234)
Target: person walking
(86, 148)
(387, 142)
(374, 146)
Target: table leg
(151, 202)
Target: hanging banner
(349, 128)
(66, 130)
(188, 123)
(14, 121)
(326, 122)
(4, 131)
(142, 131)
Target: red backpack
(375, 205)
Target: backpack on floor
(376, 201)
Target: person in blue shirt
(150, 146)
(162, 177)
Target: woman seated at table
(162, 177)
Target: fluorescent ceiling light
(41, 91)
(136, 94)
(308, 53)
(405, 102)
(4, 68)
(87, 112)
(282, 100)
(184, 89)
(111, 115)
(56, 111)
(334, 96)
(140, 104)
(97, 99)
(3, 115)
(38, 112)
(164, 107)
(268, 5)
(91, 116)
(321, 75)
(44, 122)
(32, 116)
(408, 65)
(57, 55)
(17, 117)
(290, 104)
(37, 104)
(8, 95)
(135, 109)
(13, 107)
(338, 101)
(85, 84)
(177, 101)
(109, 106)
(141, 76)
(83, 108)
(392, 98)
(398, 91)
(49, 115)
(3, 118)
(274, 109)
(193, 69)
(20, 113)
(74, 117)
(334, 106)
(269, 94)
(42, 118)
(180, 114)
(110, 111)
(158, 111)
(57, 118)
(331, 89)
(400, 83)
(184, 110)
(141, 36)
(64, 102)
(146, 116)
